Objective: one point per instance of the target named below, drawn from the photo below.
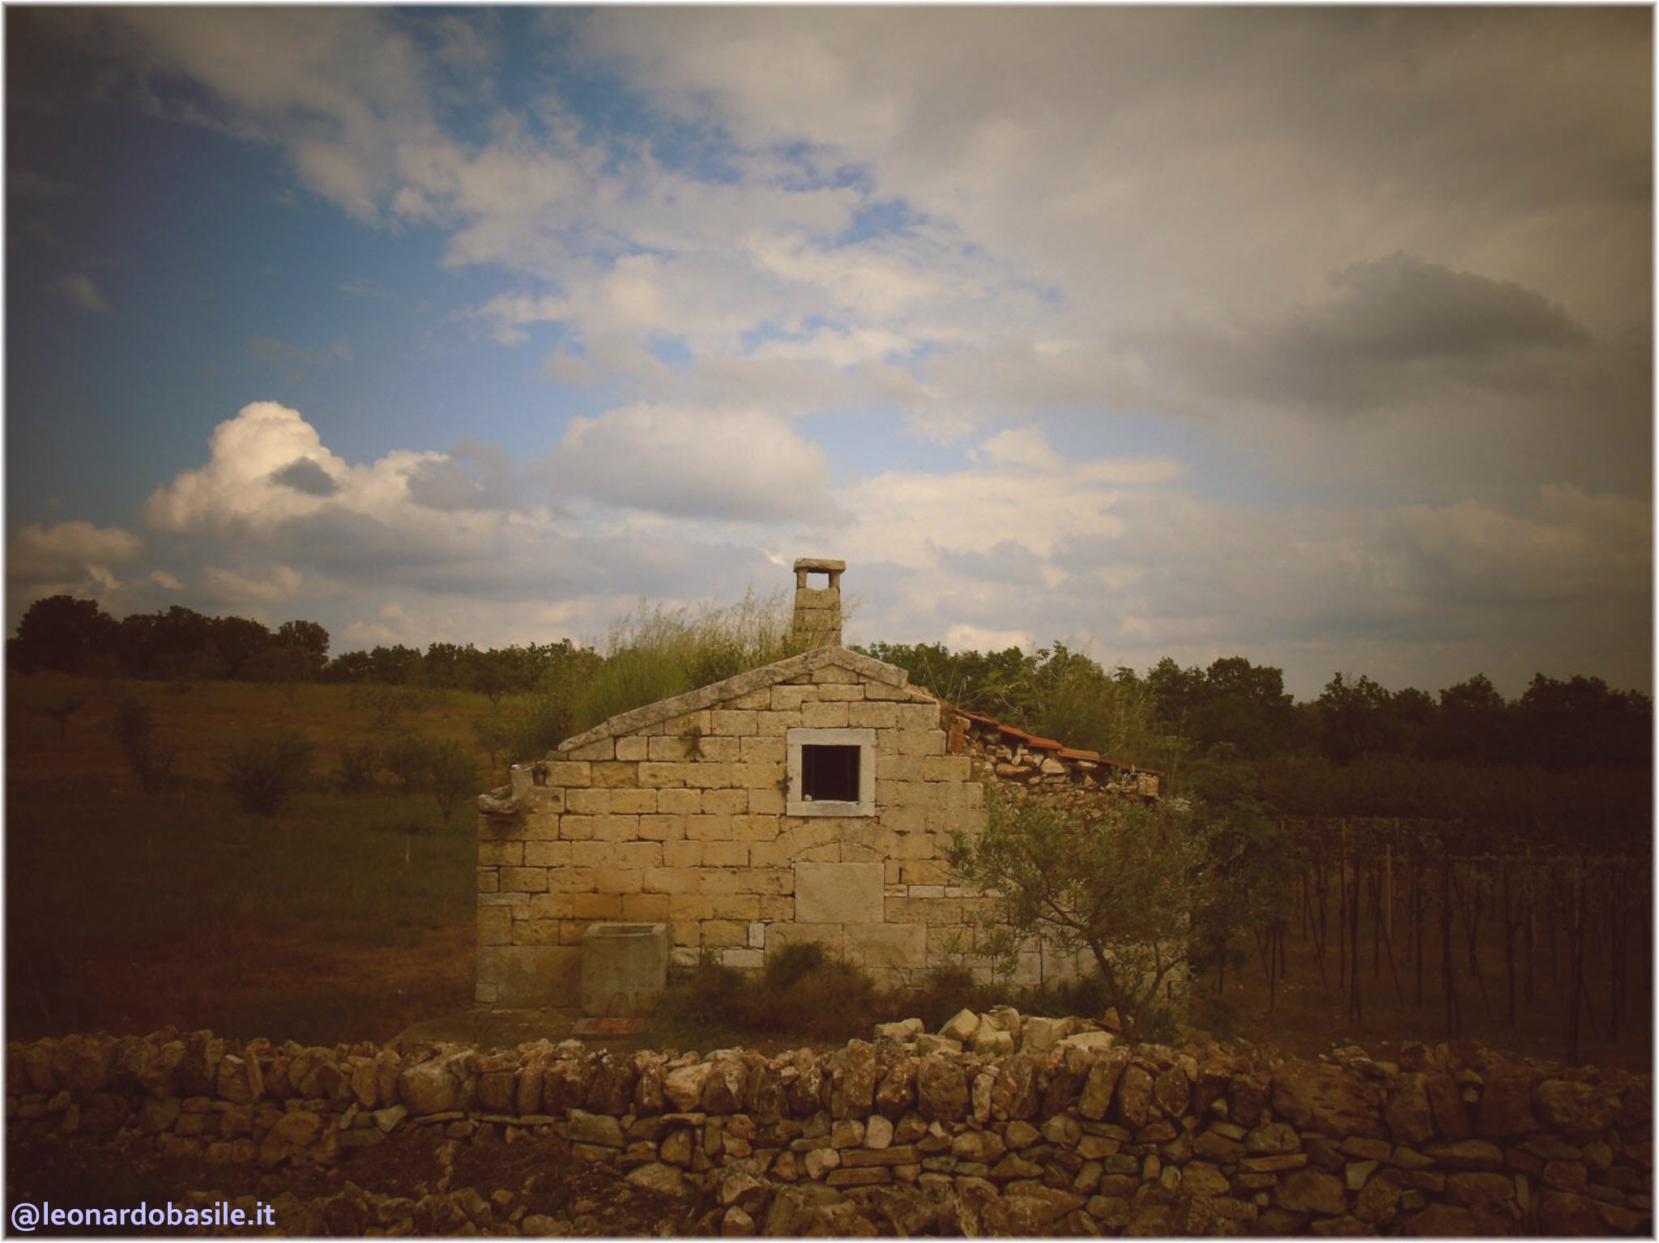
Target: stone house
(810, 799)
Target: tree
(1119, 879)
(1352, 718)
(308, 642)
(135, 729)
(237, 639)
(63, 634)
(452, 775)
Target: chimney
(817, 620)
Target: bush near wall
(1001, 1124)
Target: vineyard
(1468, 928)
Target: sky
(1322, 336)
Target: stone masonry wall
(676, 813)
(955, 1133)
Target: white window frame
(864, 740)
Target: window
(832, 772)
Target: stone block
(616, 774)
(658, 775)
(645, 906)
(920, 742)
(732, 723)
(488, 880)
(873, 715)
(624, 968)
(839, 893)
(824, 715)
(725, 802)
(706, 828)
(524, 880)
(679, 802)
(788, 698)
(495, 925)
(501, 854)
(633, 747)
(757, 750)
(588, 802)
(634, 802)
(884, 945)
(725, 854)
(547, 854)
(602, 749)
(946, 767)
(662, 828)
(569, 773)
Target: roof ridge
(738, 684)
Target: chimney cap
(822, 565)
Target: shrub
(409, 759)
(793, 961)
(452, 774)
(358, 765)
(150, 762)
(263, 773)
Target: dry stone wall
(1051, 1126)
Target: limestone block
(824, 715)
(768, 802)
(501, 854)
(902, 794)
(589, 802)
(537, 931)
(754, 749)
(757, 776)
(725, 854)
(946, 767)
(707, 828)
(579, 828)
(918, 716)
(757, 828)
(742, 958)
(725, 802)
(495, 925)
(547, 854)
(540, 827)
(921, 742)
(775, 724)
(876, 715)
(569, 773)
(847, 692)
(924, 872)
(839, 893)
(616, 828)
(633, 802)
(761, 698)
(834, 673)
(633, 747)
(489, 880)
(617, 880)
(831, 936)
(528, 975)
(645, 906)
(524, 880)
(724, 932)
(668, 748)
(774, 908)
(709, 775)
(722, 750)
(662, 828)
(667, 773)
(679, 802)
(887, 945)
(616, 774)
(946, 912)
(570, 880)
(788, 698)
(682, 854)
(732, 722)
(603, 749)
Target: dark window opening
(829, 773)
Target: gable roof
(636, 719)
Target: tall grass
(655, 653)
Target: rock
(1559, 1213)
(820, 1161)
(1110, 1020)
(904, 1032)
(598, 1129)
(1326, 1099)
(1063, 1129)
(389, 1117)
(1506, 1106)
(684, 1086)
(1094, 1041)
(1466, 1154)
(896, 1093)
(740, 1186)
(1212, 1145)
(1020, 1135)
(878, 1132)
(982, 1146)
(1200, 1178)
(1311, 1191)
(292, 1133)
(991, 1041)
(936, 1044)
(1041, 1034)
(1102, 1082)
(239, 1080)
(1134, 1096)
(853, 1095)
(1272, 1139)
(1451, 1118)
(1407, 1111)
(428, 1088)
(790, 1214)
(1357, 1173)
(1171, 1091)
(661, 1178)
(727, 1082)
(1247, 1096)
(941, 1088)
(1576, 1108)
(497, 1091)
(737, 1224)
(1378, 1202)
(676, 1148)
(1014, 1094)
(961, 1026)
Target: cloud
(471, 476)
(166, 581)
(68, 550)
(736, 465)
(80, 290)
(270, 586)
(1398, 329)
(305, 475)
